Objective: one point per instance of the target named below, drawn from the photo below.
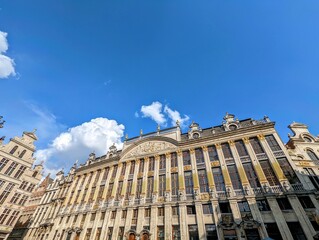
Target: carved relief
(187, 168)
(204, 148)
(215, 164)
(150, 147)
(174, 169)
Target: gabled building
(18, 178)
(231, 181)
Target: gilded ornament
(218, 146)
(204, 148)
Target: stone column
(302, 216)
(200, 220)
(153, 223)
(279, 218)
(140, 218)
(128, 219)
(181, 182)
(145, 171)
(273, 161)
(228, 183)
(259, 172)
(210, 178)
(156, 175)
(236, 214)
(105, 224)
(257, 216)
(168, 174)
(194, 169)
(116, 221)
(217, 218)
(168, 221)
(183, 221)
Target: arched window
(22, 154)
(13, 150)
(312, 155)
(307, 139)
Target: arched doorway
(132, 236)
(145, 236)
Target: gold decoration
(174, 169)
(205, 196)
(191, 151)
(121, 178)
(204, 148)
(246, 140)
(157, 157)
(218, 146)
(187, 168)
(146, 159)
(261, 137)
(231, 142)
(168, 155)
(179, 152)
(215, 163)
(139, 175)
(150, 174)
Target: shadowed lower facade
(233, 181)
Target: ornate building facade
(18, 178)
(232, 181)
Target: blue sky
(78, 62)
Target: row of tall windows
(12, 168)
(14, 149)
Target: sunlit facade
(232, 181)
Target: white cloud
(174, 115)
(97, 136)
(154, 111)
(6, 63)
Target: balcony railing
(261, 156)
(279, 153)
(245, 159)
(297, 187)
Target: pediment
(149, 148)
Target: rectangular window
(83, 196)
(92, 194)
(244, 206)
(256, 145)
(203, 182)
(160, 212)
(98, 233)
(6, 192)
(88, 234)
(263, 205)
(273, 231)
(123, 169)
(234, 176)
(132, 168)
(121, 233)
(119, 190)
(15, 198)
(174, 182)
(162, 162)
(11, 168)
(124, 213)
(186, 158)
(212, 153)
(4, 215)
(241, 149)
(225, 207)
(150, 182)
(151, 164)
(269, 172)
(23, 185)
(114, 171)
(313, 177)
(109, 190)
(147, 212)
(188, 182)
(218, 179)
(306, 202)
(102, 216)
(139, 187)
(161, 185)
(174, 162)
(20, 172)
(176, 232)
(105, 174)
(109, 233)
(207, 209)
(128, 189)
(284, 204)
(3, 163)
(199, 155)
(191, 210)
(287, 170)
(98, 173)
(273, 144)
(160, 233)
(175, 210)
(251, 175)
(141, 166)
(296, 231)
(113, 214)
(100, 193)
(226, 151)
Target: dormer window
(22, 154)
(232, 127)
(196, 135)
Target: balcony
(297, 187)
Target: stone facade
(232, 181)
(18, 178)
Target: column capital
(245, 140)
(204, 148)
(191, 151)
(231, 142)
(168, 155)
(218, 146)
(179, 152)
(261, 136)
(157, 157)
(146, 159)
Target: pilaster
(168, 221)
(200, 220)
(208, 168)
